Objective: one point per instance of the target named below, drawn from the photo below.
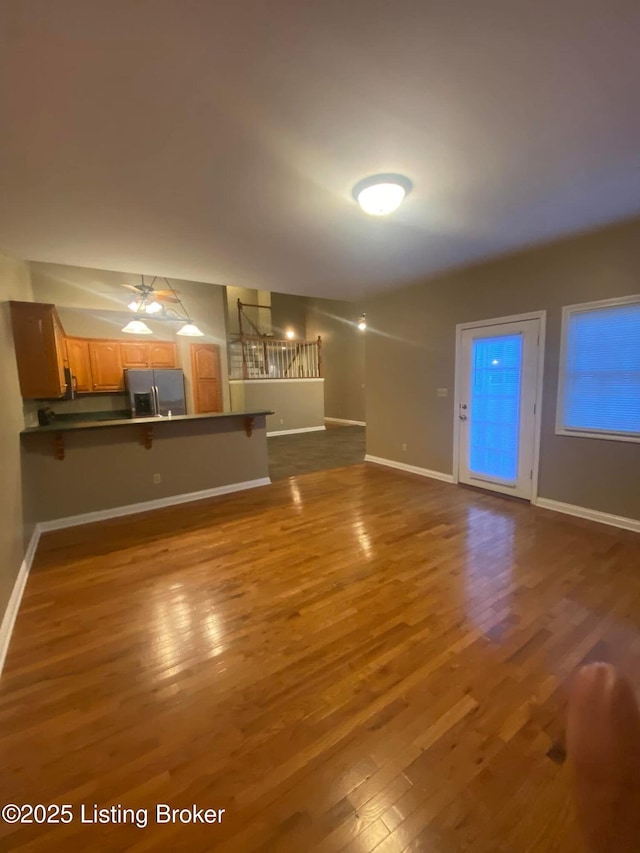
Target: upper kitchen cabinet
(163, 354)
(79, 365)
(106, 366)
(134, 353)
(143, 354)
(40, 350)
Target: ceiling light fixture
(151, 302)
(380, 195)
(190, 330)
(137, 327)
(362, 322)
(290, 334)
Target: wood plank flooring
(351, 660)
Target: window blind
(602, 370)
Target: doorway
(206, 378)
(497, 408)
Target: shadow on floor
(305, 452)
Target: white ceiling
(219, 141)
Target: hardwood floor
(350, 660)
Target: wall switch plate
(157, 478)
(404, 446)
(442, 392)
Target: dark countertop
(67, 424)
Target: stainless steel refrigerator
(155, 393)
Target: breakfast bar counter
(68, 424)
(81, 469)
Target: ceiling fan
(148, 298)
(149, 301)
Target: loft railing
(251, 319)
(261, 357)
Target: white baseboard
(145, 506)
(412, 469)
(590, 514)
(345, 421)
(9, 618)
(293, 431)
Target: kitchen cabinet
(106, 366)
(134, 353)
(79, 364)
(143, 354)
(50, 364)
(40, 351)
(163, 354)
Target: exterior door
(498, 378)
(206, 377)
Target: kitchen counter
(67, 424)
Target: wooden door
(79, 364)
(162, 354)
(134, 353)
(106, 367)
(206, 377)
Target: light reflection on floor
(183, 627)
(489, 560)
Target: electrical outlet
(442, 392)
(281, 420)
(404, 446)
(157, 478)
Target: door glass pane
(496, 369)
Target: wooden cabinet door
(79, 364)
(106, 367)
(206, 377)
(134, 353)
(40, 351)
(163, 354)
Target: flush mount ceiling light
(379, 195)
(362, 322)
(137, 327)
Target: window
(599, 384)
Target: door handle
(463, 417)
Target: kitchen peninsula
(77, 471)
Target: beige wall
(296, 403)
(261, 317)
(110, 467)
(15, 526)
(343, 350)
(410, 351)
(92, 303)
(289, 312)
